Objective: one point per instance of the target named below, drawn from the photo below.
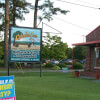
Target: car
(66, 60)
(82, 61)
(54, 61)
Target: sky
(75, 25)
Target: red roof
(93, 30)
(91, 43)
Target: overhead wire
(72, 24)
(87, 3)
(78, 4)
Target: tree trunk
(14, 8)
(35, 13)
(6, 33)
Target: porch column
(72, 61)
(97, 55)
(89, 58)
(97, 74)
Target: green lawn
(55, 86)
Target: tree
(46, 14)
(2, 15)
(79, 52)
(47, 9)
(17, 9)
(1, 50)
(69, 52)
(53, 48)
(15, 34)
(6, 34)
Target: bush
(1, 63)
(77, 65)
(61, 65)
(56, 68)
(49, 65)
(68, 63)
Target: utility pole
(6, 33)
(83, 38)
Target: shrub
(68, 63)
(49, 65)
(56, 68)
(77, 65)
(61, 65)
(1, 63)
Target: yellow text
(6, 86)
(18, 37)
(5, 93)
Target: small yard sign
(64, 69)
(7, 88)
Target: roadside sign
(7, 88)
(25, 44)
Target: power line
(87, 3)
(78, 4)
(72, 24)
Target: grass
(55, 86)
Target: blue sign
(7, 88)
(64, 69)
(25, 44)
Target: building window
(96, 54)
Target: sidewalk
(37, 71)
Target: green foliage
(16, 11)
(1, 50)
(17, 33)
(69, 53)
(79, 52)
(53, 48)
(68, 63)
(49, 65)
(77, 65)
(61, 65)
(1, 63)
(48, 10)
(56, 68)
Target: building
(92, 53)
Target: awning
(91, 43)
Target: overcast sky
(79, 22)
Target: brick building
(92, 53)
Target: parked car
(66, 60)
(82, 61)
(54, 61)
